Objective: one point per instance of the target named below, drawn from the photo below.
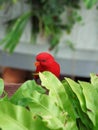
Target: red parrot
(46, 62)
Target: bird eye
(43, 60)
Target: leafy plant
(12, 39)
(45, 18)
(15, 117)
(90, 3)
(69, 105)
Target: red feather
(46, 62)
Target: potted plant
(68, 106)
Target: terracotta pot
(13, 78)
(13, 75)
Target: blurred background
(68, 29)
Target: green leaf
(15, 117)
(29, 86)
(46, 107)
(51, 114)
(76, 96)
(89, 3)
(54, 86)
(1, 86)
(78, 91)
(71, 96)
(94, 79)
(59, 95)
(12, 38)
(57, 90)
(91, 96)
(54, 41)
(15, 1)
(18, 118)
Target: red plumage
(46, 62)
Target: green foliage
(69, 105)
(45, 18)
(90, 3)
(1, 86)
(19, 98)
(12, 38)
(13, 117)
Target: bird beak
(37, 63)
(35, 74)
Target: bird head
(44, 60)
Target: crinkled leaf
(54, 86)
(46, 107)
(58, 94)
(29, 86)
(57, 91)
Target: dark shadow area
(75, 78)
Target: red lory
(46, 62)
